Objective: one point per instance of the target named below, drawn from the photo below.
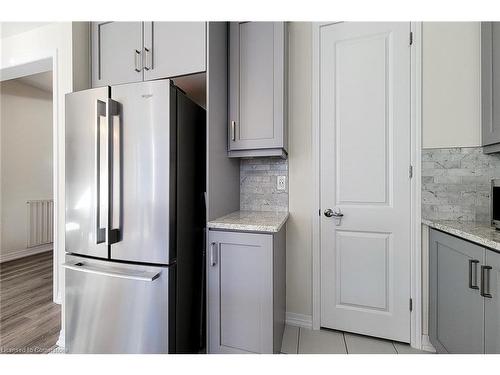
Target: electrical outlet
(281, 183)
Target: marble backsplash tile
(456, 183)
(258, 184)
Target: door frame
(40, 63)
(416, 146)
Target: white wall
(301, 205)
(26, 157)
(451, 84)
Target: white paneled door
(365, 160)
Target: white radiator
(40, 222)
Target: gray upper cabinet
(490, 86)
(257, 123)
(456, 316)
(173, 49)
(124, 52)
(246, 292)
(116, 53)
(492, 302)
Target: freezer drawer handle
(140, 276)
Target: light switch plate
(281, 183)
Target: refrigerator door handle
(101, 152)
(115, 166)
(130, 275)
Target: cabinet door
(173, 49)
(116, 53)
(456, 315)
(492, 305)
(490, 82)
(240, 293)
(256, 87)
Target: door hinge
(319, 211)
(411, 304)
(410, 171)
(411, 38)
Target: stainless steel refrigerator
(135, 217)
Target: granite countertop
(481, 233)
(251, 221)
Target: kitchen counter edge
(250, 221)
(480, 233)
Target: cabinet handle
(233, 131)
(137, 61)
(485, 281)
(148, 64)
(473, 270)
(213, 254)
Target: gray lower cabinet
(116, 53)
(456, 323)
(492, 302)
(490, 85)
(246, 292)
(257, 89)
(464, 306)
(124, 52)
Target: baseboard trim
(22, 253)
(426, 344)
(60, 341)
(298, 320)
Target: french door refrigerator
(135, 218)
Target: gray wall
(301, 177)
(456, 183)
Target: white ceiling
(13, 28)
(42, 81)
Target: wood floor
(29, 321)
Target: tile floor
(305, 341)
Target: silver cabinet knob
(331, 213)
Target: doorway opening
(30, 321)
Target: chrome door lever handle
(331, 213)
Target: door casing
(416, 142)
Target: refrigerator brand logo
(147, 96)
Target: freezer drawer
(116, 307)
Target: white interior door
(365, 159)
